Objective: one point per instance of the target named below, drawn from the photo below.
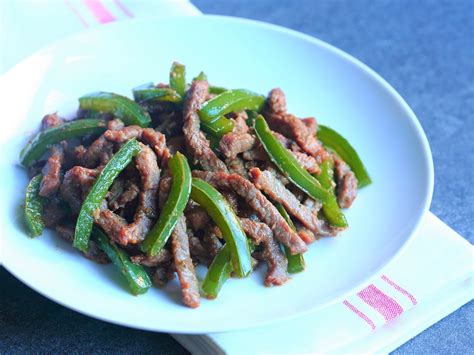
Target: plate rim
(413, 122)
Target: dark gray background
(425, 50)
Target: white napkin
(432, 278)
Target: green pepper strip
(221, 213)
(295, 262)
(289, 166)
(216, 90)
(230, 101)
(218, 273)
(219, 127)
(137, 279)
(34, 207)
(174, 206)
(326, 179)
(98, 191)
(333, 140)
(120, 106)
(178, 78)
(35, 149)
(156, 95)
(201, 76)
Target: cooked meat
(163, 257)
(93, 253)
(197, 218)
(50, 121)
(196, 143)
(123, 135)
(346, 183)
(263, 208)
(146, 211)
(256, 153)
(232, 144)
(53, 213)
(162, 275)
(268, 183)
(211, 240)
(311, 124)
(184, 265)
(313, 205)
(100, 151)
(128, 194)
(115, 125)
(307, 162)
(52, 172)
(176, 144)
(276, 261)
(276, 101)
(305, 234)
(240, 122)
(236, 166)
(157, 141)
(76, 183)
(164, 189)
(110, 222)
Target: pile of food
(189, 174)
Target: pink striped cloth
(377, 317)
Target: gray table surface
(425, 50)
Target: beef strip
(236, 166)
(196, 143)
(184, 265)
(123, 135)
(50, 121)
(211, 240)
(163, 257)
(146, 211)
(197, 218)
(76, 183)
(157, 141)
(115, 124)
(256, 153)
(53, 213)
(93, 252)
(164, 189)
(256, 200)
(268, 183)
(307, 162)
(100, 151)
(276, 261)
(346, 183)
(110, 222)
(129, 193)
(52, 172)
(276, 101)
(232, 144)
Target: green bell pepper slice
(34, 207)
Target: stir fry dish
(187, 174)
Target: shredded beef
(307, 162)
(184, 265)
(346, 183)
(276, 261)
(211, 240)
(50, 121)
(197, 218)
(100, 151)
(76, 183)
(263, 208)
(123, 135)
(53, 213)
(163, 257)
(129, 193)
(267, 182)
(196, 143)
(276, 101)
(146, 211)
(236, 166)
(110, 222)
(232, 144)
(115, 124)
(52, 172)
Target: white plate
(318, 79)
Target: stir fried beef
(52, 172)
(184, 265)
(251, 179)
(263, 208)
(346, 183)
(276, 261)
(196, 143)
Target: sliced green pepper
(289, 166)
(218, 273)
(295, 262)
(120, 106)
(201, 76)
(35, 149)
(333, 140)
(97, 192)
(156, 95)
(174, 206)
(178, 78)
(34, 207)
(137, 279)
(216, 90)
(219, 127)
(224, 217)
(326, 179)
(230, 101)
